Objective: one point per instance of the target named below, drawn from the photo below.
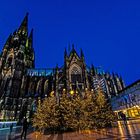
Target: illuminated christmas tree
(74, 112)
(46, 115)
(104, 115)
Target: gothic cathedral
(21, 84)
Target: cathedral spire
(82, 54)
(31, 34)
(73, 49)
(93, 70)
(122, 82)
(65, 52)
(31, 39)
(23, 29)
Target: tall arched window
(75, 74)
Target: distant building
(128, 100)
(21, 84)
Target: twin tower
(21, 84)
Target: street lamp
(72, 92)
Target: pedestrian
(123, 116)
(11, 128)
(24, 128)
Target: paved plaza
(131, 131)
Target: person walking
(11, 128)
(24, 129)
(123, 116)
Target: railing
(7, 124)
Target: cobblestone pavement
(131, 131)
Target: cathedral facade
(21, 84)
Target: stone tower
(16, 57)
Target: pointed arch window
(75, 70)
(75, 74)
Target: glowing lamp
(71, 92)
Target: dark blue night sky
(108, 31)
